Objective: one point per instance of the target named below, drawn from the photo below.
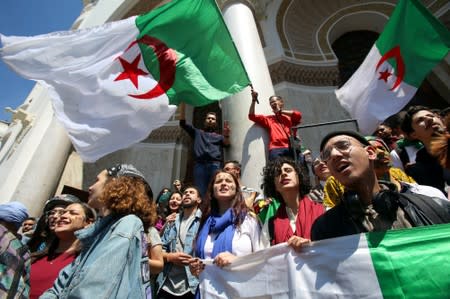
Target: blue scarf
(224, 228)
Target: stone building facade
(299, 49)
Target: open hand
(226, 129)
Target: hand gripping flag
(412, 44)
(406, 263)
(112, 85)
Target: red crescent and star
(384, 75)
(167, 59)
(131, 71)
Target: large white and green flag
(112, 85)
(412, 43)
(409, 263)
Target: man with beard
(420, 123)
(369, 204)
(176, 280)
(208, 147)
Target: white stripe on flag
(369, 99)
(332, 268)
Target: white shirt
(246, 239)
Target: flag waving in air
(112, 85)
(412, 44)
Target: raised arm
(226, 133)
(251, 111)
(187, 127)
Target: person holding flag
(368, 204)
(291, 213)
(278, 126)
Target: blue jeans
(203, 172)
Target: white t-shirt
(425, 190)
(397, 162)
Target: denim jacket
(169, 242)
(113, 262)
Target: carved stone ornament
(257, 6)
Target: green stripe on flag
(412, 263)
(208, 65)
(269, 211)
(423, 40)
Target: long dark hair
(211, 206)
(50, 249)
(41, 235)
(273, 169)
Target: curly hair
(273, 169)
(126, 195)
(211, 206)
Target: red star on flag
(131, 71)
(384, 75)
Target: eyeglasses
(343, 146)
(114, 170)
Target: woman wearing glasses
(113, 262)
(290, 214)
(44, 234)
(63, 249)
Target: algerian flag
(412, 43)
(408, 263)
(269, 210)
(112, 85)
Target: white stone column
(36, 158)
(249, 143)
(31, 170)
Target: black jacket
(419, 210)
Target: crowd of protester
(127, 243)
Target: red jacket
(278, 127)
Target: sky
(28, 18)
